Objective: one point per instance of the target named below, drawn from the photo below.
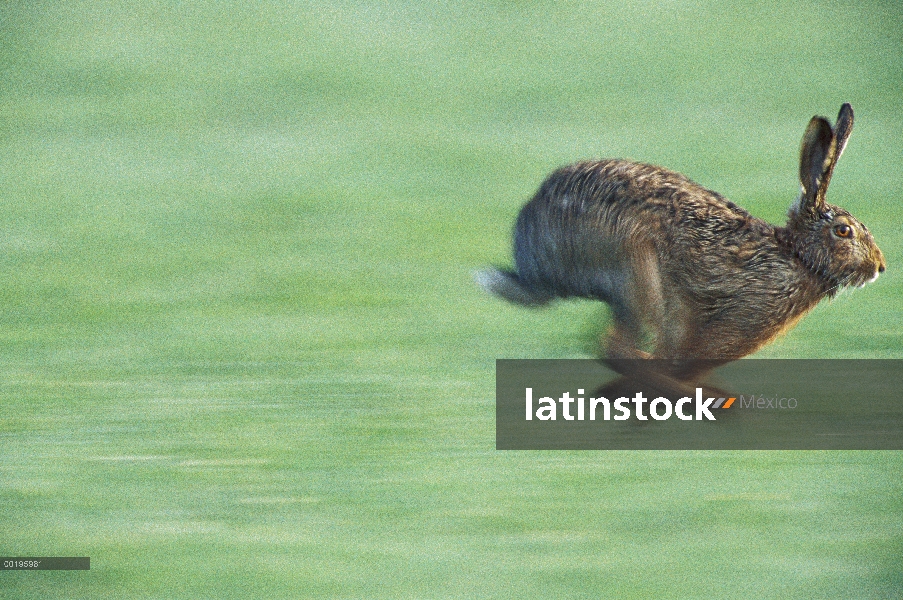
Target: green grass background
(241, 354)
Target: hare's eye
(843, 231)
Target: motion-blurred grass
(240, 352)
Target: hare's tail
(507, 285)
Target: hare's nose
(881, 268)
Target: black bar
(45, 563)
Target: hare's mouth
(864, 280)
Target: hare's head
(828, 239)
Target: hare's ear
(842, 131)
(815, 158)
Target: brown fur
(688, 274)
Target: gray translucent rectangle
(45, 563)
(778, 405)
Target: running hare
(689, 275)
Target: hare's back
(590, 219)
(622, 187)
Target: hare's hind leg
(692, 350)
(636, 305)
(625, 338)
(638, 312)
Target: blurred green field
(241, 354)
